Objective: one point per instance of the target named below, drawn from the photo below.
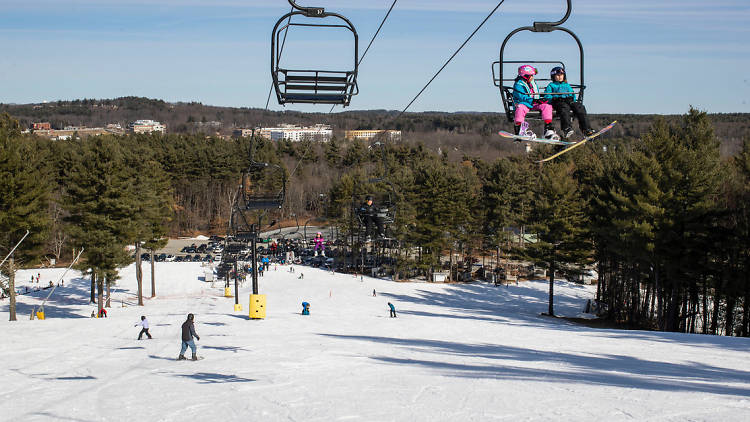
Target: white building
(392, 135)
(296, 133)
(146, 126)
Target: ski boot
(589, 132)
(195, 357)
(524, 130)
(181, 357)
(568, 133)
(549, 133)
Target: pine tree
(559, 222)
(24, 191)
(101, 200)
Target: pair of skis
(568, 145)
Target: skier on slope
(188, 332)
(143, 323)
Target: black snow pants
(564, 109)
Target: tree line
(663, 216)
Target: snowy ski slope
(469, 352)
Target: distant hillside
(196, 117)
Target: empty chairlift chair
(312, 86)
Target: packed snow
(455, 352)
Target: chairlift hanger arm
(549, 26)
(312, 12)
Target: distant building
(242, 133)
(146, 126)
(393, 135)
(41, 126)
(296, 133)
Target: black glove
(199, 339)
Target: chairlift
(500, 79)
(263, 186)
(385, 206)
(312, 86)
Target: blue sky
(641, 56)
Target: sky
(640, 56)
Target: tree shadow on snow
(589, 368)
(214, 378)
(520, 305)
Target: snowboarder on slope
(393, 310)
(143, 323)
(188, 332)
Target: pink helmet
(527, 70)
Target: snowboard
(579, 143)
(190, 359)
(513, 136)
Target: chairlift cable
(359, 63)
(451, 58)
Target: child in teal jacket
(564, 102)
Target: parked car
(197, 258)
(161, 257)
(170, 258)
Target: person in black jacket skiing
(370, 216)
(188, 332)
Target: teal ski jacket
(559, 87)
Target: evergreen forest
(662, 211)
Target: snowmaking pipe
(41, 307)
(14, 248)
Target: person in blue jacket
(565, 102)
(393, 310)
(305, 308)
(526, 98)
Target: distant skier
(373, 293)
(320, 247)
(393, 310)
(305, 308)
(102, 313)
(188, 332)
(143, 323)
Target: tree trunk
(153, 275)
(729, 321)
(109, 294)
(551, 310)
(12, 289)
(715, 311)
(100, 295)
(139, 272)
(745, 316)
(93, 286)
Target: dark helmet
(191, 317)
(557, 70)
(143, 317)
(368, 198)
